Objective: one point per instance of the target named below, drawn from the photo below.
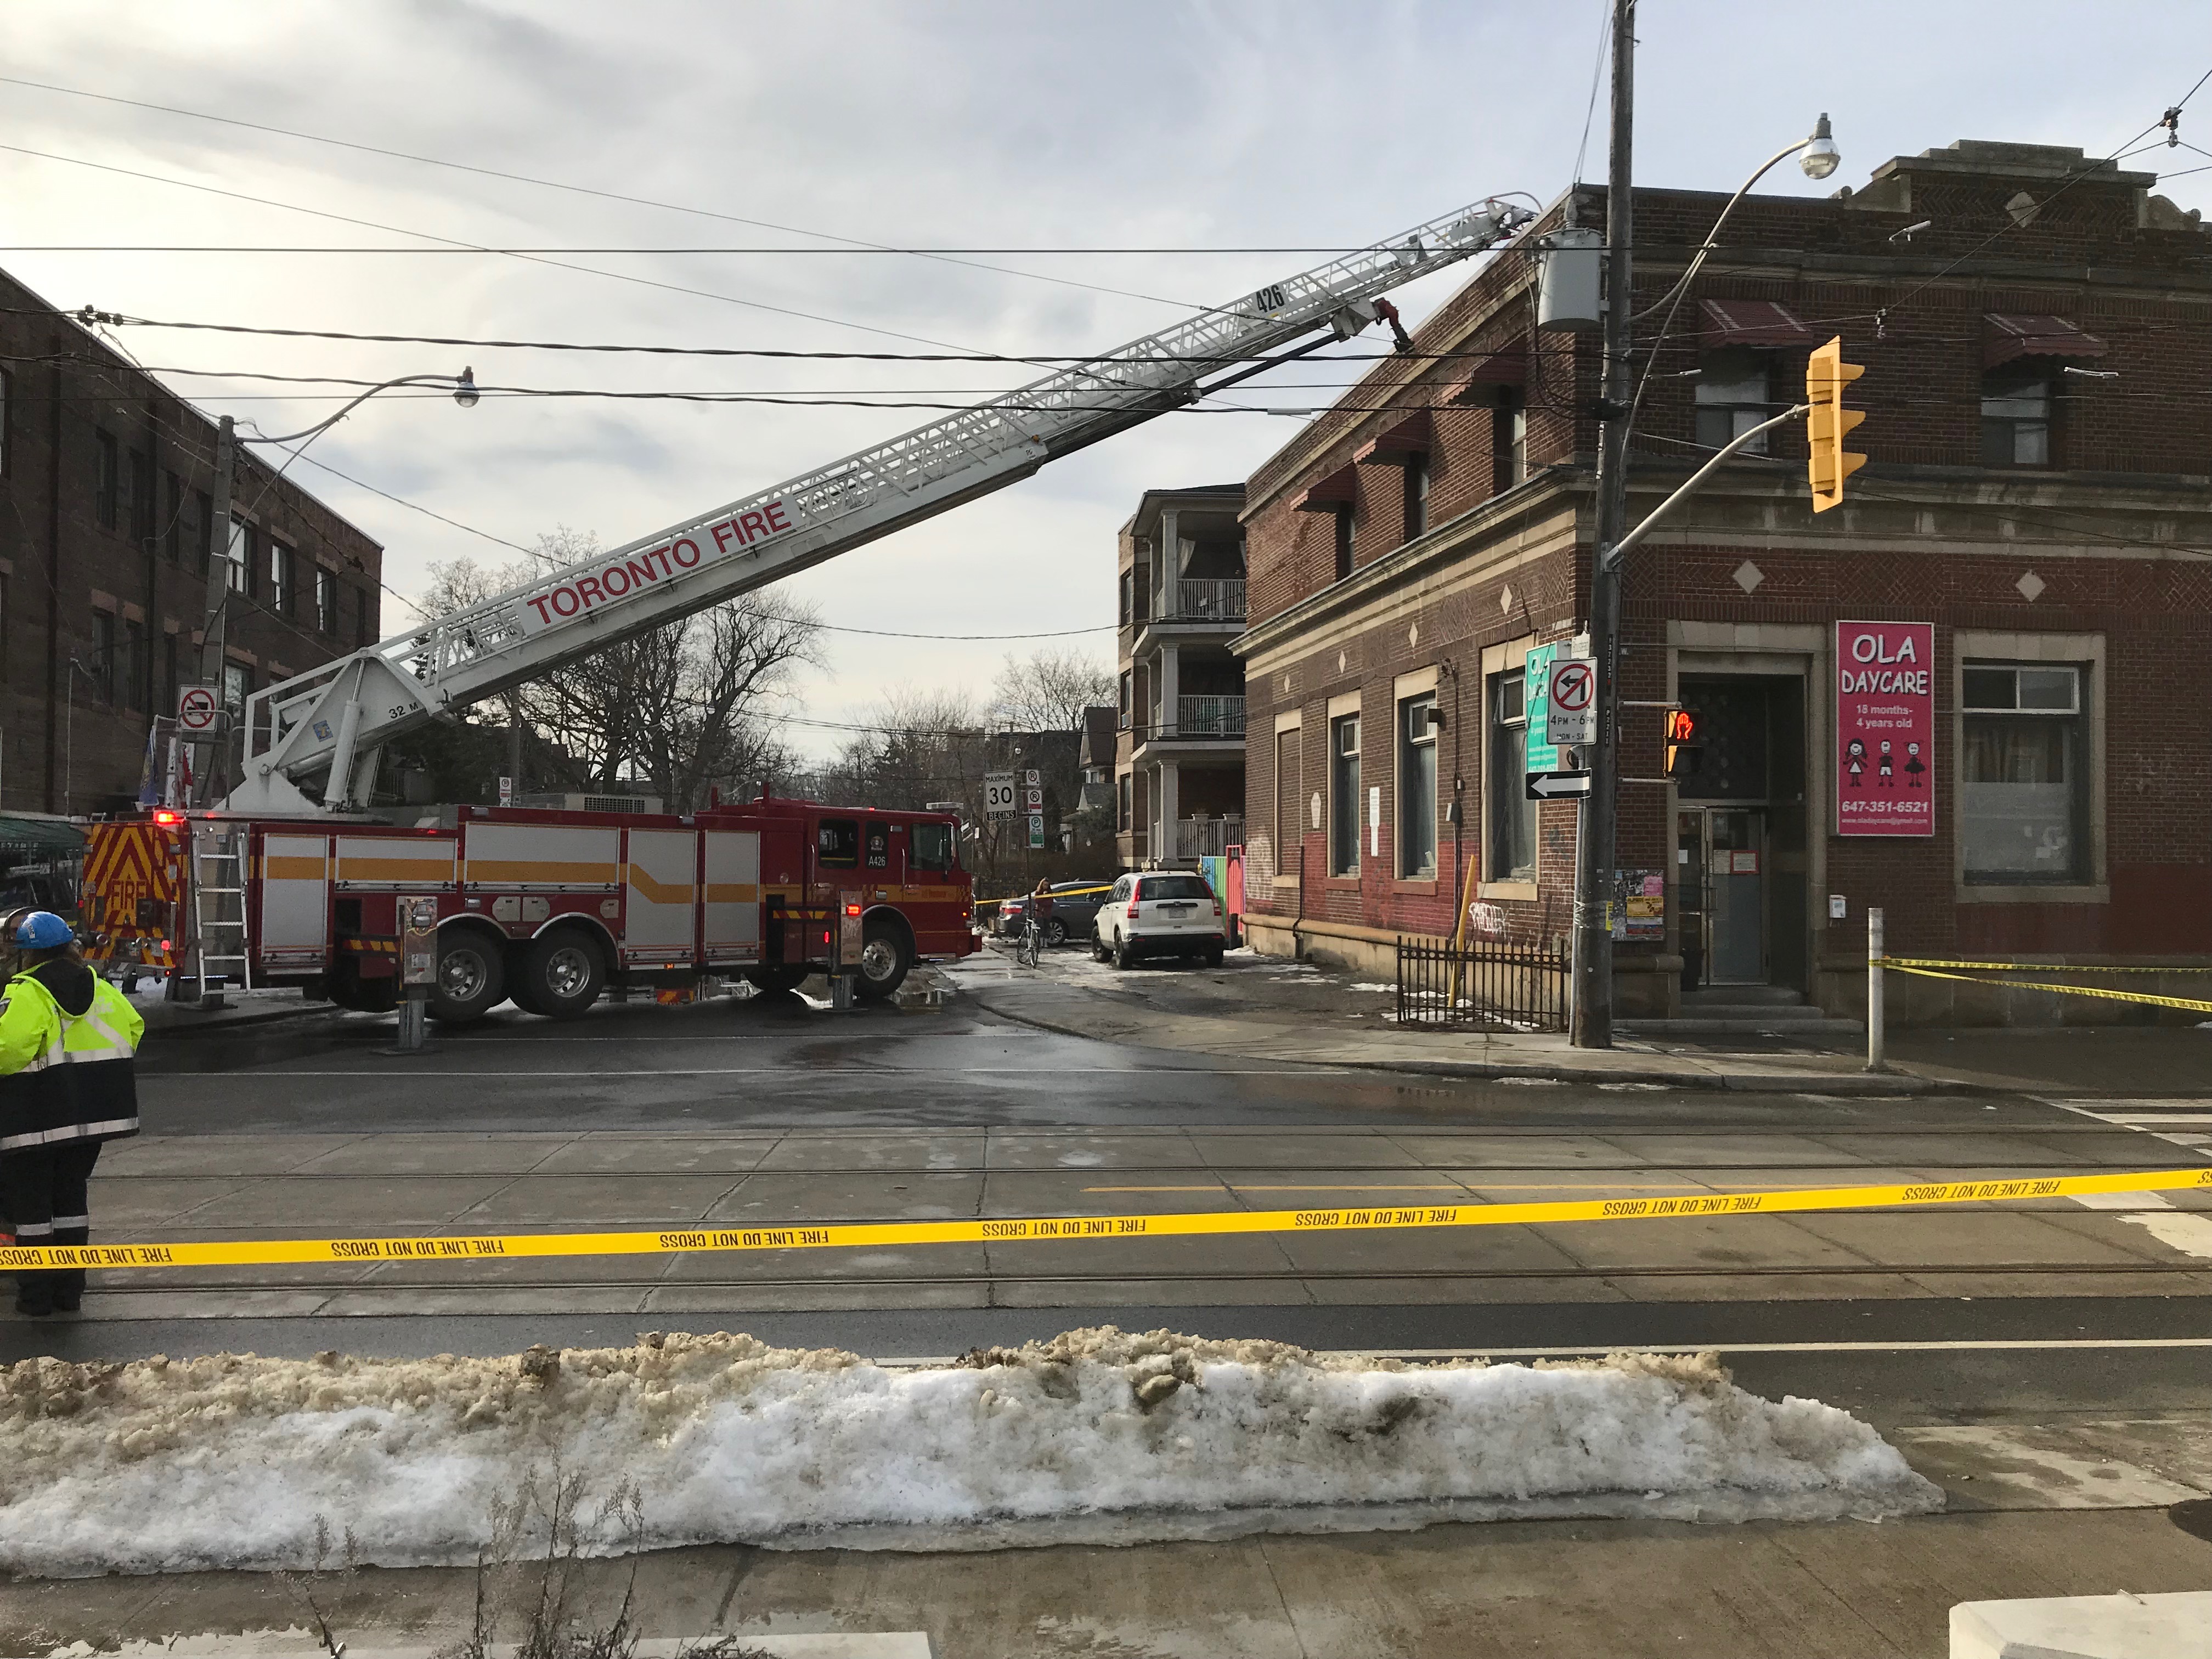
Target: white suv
(1159, 914)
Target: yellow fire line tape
(850, 1235)
(2039, 967)
(2063, 990)
(1072, 892)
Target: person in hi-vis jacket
(67, 1084)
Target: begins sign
(619, 576)
(1885, 728)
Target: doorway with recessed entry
(1741, 865)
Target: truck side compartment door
(734, 895)
(661, 917)
(295, 899)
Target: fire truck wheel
(563, 972)
(776, 979)
(886, 953)
(471, 977)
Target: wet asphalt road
(754, 1067)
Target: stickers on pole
(1885, 728)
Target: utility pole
(1593, 1002)
(215, 756)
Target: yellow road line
(878, 1234)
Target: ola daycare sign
(619, 576)
(1885, 728)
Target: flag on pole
(149, 783)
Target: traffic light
(1828, 462)
(1686, 744)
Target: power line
(851, 253)
(580, 190)
(427, 236)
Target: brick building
(1179, 763)
(104, 553)
(2036, 329)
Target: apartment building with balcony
(1179, 756)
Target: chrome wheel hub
(568, 970)
(462, 975)
(879, 959)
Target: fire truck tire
(776, 978)
(471, 976)
(363, 996)
(886, 953)
(562, 973)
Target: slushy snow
(229, 1461)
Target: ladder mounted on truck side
(322, 729)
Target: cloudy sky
(1187, 127)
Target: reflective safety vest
(65, 1077)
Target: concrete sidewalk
(1048, 999)
(1624, 1590)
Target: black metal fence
(1499, 988)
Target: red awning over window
(1507, 366)
(2013, 335)
(1751, 323)
(1339, 488)
(1397, 446)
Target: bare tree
(675, 710)
(1050, 690)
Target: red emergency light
(852, 910)
(164, 816)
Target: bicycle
(1030, 952)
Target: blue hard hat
(42, 930)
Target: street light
(465, 394)
(1821, 154)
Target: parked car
(1160, 912)
(1074, 905)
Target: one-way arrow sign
(1552, 786)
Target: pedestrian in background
(67, 1083)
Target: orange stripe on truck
(658, 892)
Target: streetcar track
(1138, 1275)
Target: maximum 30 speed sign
(1000, 796)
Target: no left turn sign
(1572, 702)
(197, 710)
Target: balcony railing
(1208, 717)
(1208, 838)
(1209, 599)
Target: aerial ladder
(312, 741)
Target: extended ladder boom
(324, 724)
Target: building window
(326, 601)
(1417, 788)
(2016, 417)
(202, 537)
(1128, 597)
(239, 554)
(1126, 679)
(1512, 815)
(1734, 395)
(107, 481)
(142, 496)
(174, 534)
(1290, 806)
(103, 654)
(1417, 497)
(1343, 517)
(1344, 796)
(134, 665)
(237, 684)
(1508, 437)
(1121, 802)
(2024, 773)
(281, 572)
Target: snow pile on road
(229, 1461)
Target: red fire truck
(291, 882)
(546, 909)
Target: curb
(190, 1025)
(1824, 1083)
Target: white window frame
(2083, 651)
(1500, 659)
